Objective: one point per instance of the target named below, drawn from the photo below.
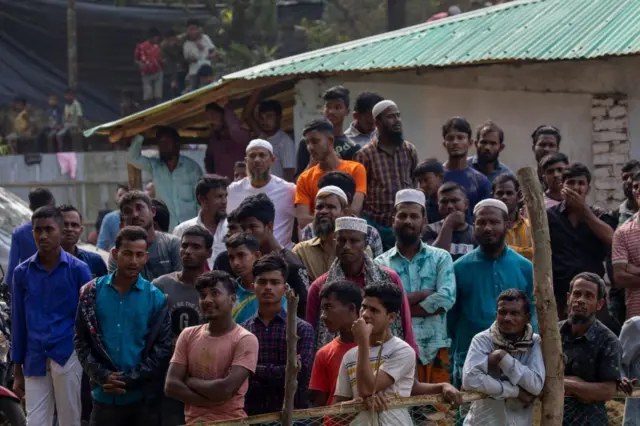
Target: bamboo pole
(293, 365)
(134, 177)
(553, 391)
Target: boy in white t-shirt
(396, 368)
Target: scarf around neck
(523, 345)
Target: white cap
(351, 224)
(381, 106)
(410, 196)
(259, 143)
(331, 189)
(491, 202)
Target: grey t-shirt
(183, 302)
(164, 257)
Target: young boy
(429, 175)
(397, 363)
(550, 169)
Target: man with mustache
(550, 169)
(481, 276)
(390, 161)
(546, 140)
(489, 144)
(171, 173)
(592, 354)
(71, 235)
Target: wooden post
(72, 46)
(293, 366)
(553, 392)
(134, 177)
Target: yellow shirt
(519, 238)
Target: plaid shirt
(386, 175)
(373, 238)
(266, 386)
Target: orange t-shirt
(307, 185)
(326, 366)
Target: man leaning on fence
(505, 363)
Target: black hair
(168, 131)
(630, 166)
(205, 70)
(269, 263)
(342, 180)
(64, 208)
(232, 216)
(240, 164)
(450, 187)
(270, 105)
(199, 231)
(504, 178)
(337, 93)
(131, 233)
(153, 32)
(40, 197)
(430, 165)
(214, 107)
(48, 212)
(546, 129)
(458, 124)
(321, 125)
(258, 206)
(208, 182)
(133, 196)
(490, 126)
(162, 217)
(389, 296)
(366, 101)
(636, 176)
(243, 239)
(191, 22)
(592, 278)
(576, 170)
(553, 158)
(122, 186)
(345, 291)
(513, 295)
(211, 278)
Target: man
(506, 188)
(162, 218)
(123, 337)
(198, 50)
(363, 127)
(429, 175)
(261, 180)
(163, 249)
(629, 206)
(347, 184)
(592, 354)
(489, 144)
(149, 59)
(630, 343)
(173, 174)
(173, 61)
(505, 363)
(456, 133)
(480, 278)
(267, 127)
(256, 215)
(359, 376)
(72, 229)
(212, 362)
(228, 140)
(239, 171)
(427, 277)
(550, 169)
(390, 161)
(335, 110)
(354, 265)
(546, 140)
(318, 135)
(73, 119)
(205, 76)
(266, 386)
(23, 245)
(211, 193)
(46, 369)
(452, 233)
(573, 224)
(111, 223)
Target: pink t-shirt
(210, 358)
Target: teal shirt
(247, 304)
(431, 269)
(124, 322)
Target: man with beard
(506, 188)
(456, 133)
(71, 235)
(546, 140)
(629, 207)
(354, 265)
(550, 169)
(363, 127)
(211, 193)
(320, 141)
(505, 363)
(489, 144)
(592, 354)
(260, 160)
(480, 278)
(171, 173)
(390, 161)
(163, 249)
(427, 276)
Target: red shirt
(150, 56)
(326, 367)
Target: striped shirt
(519, 238)
(387, 173)
(626, 249)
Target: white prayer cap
(349, 223)
(259, 143)
(381, 106)
(410, 196)
(491, 202)
(332, 189)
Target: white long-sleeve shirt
(524, 370)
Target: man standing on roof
(149, 58)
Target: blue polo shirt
(44, 305)
(247, 304)
(94, 261)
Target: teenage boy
(550, 169)
(429, 175)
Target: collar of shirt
(139, 285)
(240, 290)
(281, 317)
(482, 255)
(62, 258)
(423, 252)
(199, 222)
(499, 167)
(353, 131)
(591, 333)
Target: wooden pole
(72, 46)
(293, 365)
(553, 391)
(134, 177)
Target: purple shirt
(228, 147)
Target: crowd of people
(413, 278)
